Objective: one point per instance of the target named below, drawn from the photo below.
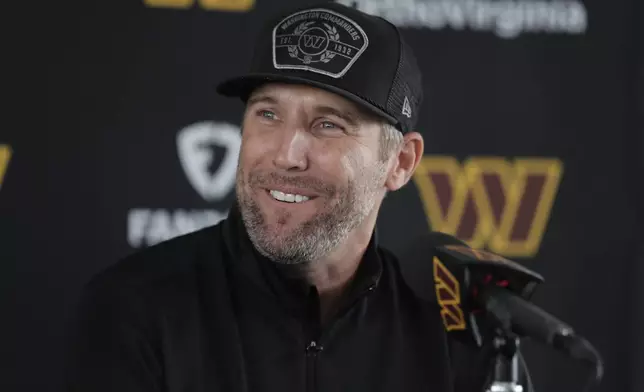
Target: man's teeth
(288, 197)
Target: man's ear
(405, 163)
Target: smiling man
(291, 292)
(313, 171)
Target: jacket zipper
(312, 351)
(314, 346)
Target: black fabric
(383, 78)
(407, 85)
(203, 312)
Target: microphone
(480, 292)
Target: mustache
(266, 179)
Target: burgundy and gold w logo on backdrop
(490, 201)
(211, 5)
(5, 156)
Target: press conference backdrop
(533, 122)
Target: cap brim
(243, 86)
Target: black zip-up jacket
(205, 313)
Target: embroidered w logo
(313, 41)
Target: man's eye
(266, 114)
(329, 125)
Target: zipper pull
(313, 348)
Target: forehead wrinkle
(261, 97)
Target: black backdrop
(534, 124)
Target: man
(292, 291)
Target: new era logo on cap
(406, 109)
(318, 40)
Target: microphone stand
(506, 364)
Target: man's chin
(281, 232)
(281, 249)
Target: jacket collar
(274, 279)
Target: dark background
(122, 79)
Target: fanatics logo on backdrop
(318, 40)
(195, 146)
(506, 18)
(208, 153)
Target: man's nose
(292, 149)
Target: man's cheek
(258, 149)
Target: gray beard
(317, 237)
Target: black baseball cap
(342, 50)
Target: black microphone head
(431, 279)
(440, 268)
(416, 262)
(486, 268)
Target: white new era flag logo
(195, 145)
(406, 109)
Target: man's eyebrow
(352, 118)
(348, 116)
(261, 98)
